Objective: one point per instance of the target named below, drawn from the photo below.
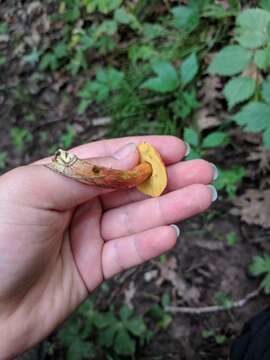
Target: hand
(59, 239)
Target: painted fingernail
(177, 230)
(214, 192)
(187, 149)
(215, 173)
(125, 151)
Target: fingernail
(177, 230)
(125, 151)
(214, 192)
(187, 149)
(215, 173)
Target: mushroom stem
(86, 172)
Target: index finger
(171, 148)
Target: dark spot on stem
(96, 169)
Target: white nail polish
(214, 192)
(216, 173)
(177, 230)
(187, 149)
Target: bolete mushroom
(150, 176)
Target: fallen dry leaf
(168, 272)
(254, 207)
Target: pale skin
(60, 239)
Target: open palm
(60, 239)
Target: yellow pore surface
(157, 182)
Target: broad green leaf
(191, 137)
(231, 60)
(265, 4)
(185, 17)
(230, 179)
(262, 58)
(251, 31)
(136, 326)
(255, 117)
(108, 27)
(122, 16)
(106, 336)
(125, 313)
(189, 69)
(266, 91)
(152, 31)
(266, 138)
(216, 138)
(239, 89)
(123, 343)
(166, 80)
(79, 349)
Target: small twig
(215, 308)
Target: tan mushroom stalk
(149, 176)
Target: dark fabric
(254, 342)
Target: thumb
(38, 186)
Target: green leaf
(252, 25)
(231, 60)
(239, 89)
(260, 265)
(106, 336)
(125, 313)
(266, 91)
(231, 238)
(166, 80)
(79, 349)
(255, 117)
(136, 326)
(104, 6)
(262, 58)
(266, 138)
(189, 69)
(185, 17)
(191, 137)
(123, 343)
(122, 16)
(230, 179)
(265, 4)
(216, 138)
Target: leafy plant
(224, 300)
(219, 338)
(231, 238)
(260, 266)
(20, 137)
(201, 145)
(168, 79)
(247, 60)
(90, 330)
(230, 179)
(67, 138)
(99, 90)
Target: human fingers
(171, 148)
(179, 175)
(166, 209)
(125, 252)
(39, 187)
